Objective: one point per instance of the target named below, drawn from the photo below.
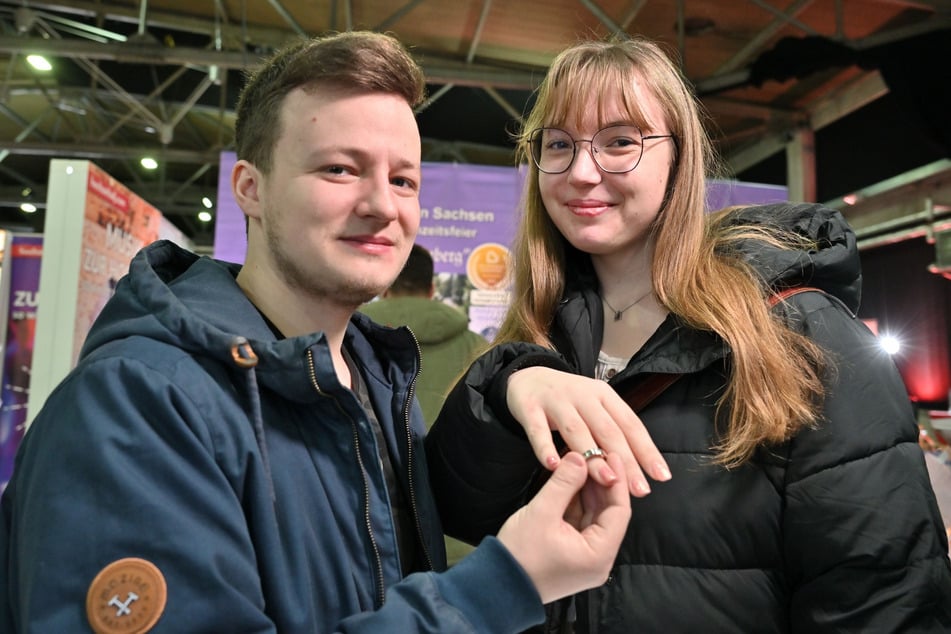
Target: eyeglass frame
(535, 135)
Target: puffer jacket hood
(833, 265)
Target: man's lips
(373, 244)
(371, 240)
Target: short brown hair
(416, 278)
(359, 60)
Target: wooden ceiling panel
(755, 96)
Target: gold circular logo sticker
(487, 266)
(126, 596)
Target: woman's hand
(587, 413)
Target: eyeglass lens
(615, 149)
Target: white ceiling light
(39, 62)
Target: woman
(789, 491)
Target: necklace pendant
(617, 315)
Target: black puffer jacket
(835, 531)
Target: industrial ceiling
(833, 98)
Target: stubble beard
(350, 294)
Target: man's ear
(245, 185)
(432, 290)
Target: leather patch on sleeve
(126, 596)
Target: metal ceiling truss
(39, 30)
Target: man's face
(340, 208)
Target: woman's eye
(622, 142)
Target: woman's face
(603, 213)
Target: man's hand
(588, 413)
(562, 555)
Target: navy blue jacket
(256, 489)
(836, 530)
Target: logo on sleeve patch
(126, 596)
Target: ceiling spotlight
(39, 62)
(204, 216)
(207, 202)
(27, 208)
(149, 163)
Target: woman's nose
(584, 167)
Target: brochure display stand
(94, 226)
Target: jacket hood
(833, 265)
(431, 321)
(193, 303)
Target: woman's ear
(245, 185)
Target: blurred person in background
(442, 330)
(446, 344)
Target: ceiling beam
(93, 151)
(859, 93)
(437, 71)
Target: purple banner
(22, 268)
(724, 193)
(462, 207)
(231, 240)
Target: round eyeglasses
(616, 149)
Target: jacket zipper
(380, 587)
(410, 462)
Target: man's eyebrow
(360, 153)
(408, 164)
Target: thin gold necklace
(618, 313)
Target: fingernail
(607, 473)
(551, 461)
(640, 487)
(662, 472)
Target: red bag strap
(786, 293)
(639, 393)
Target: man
(446, 344)
(236, 452)
(445, 341)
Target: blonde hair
(775, 386)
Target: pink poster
(118, 224)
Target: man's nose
(379, 200)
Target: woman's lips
(587, 207)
